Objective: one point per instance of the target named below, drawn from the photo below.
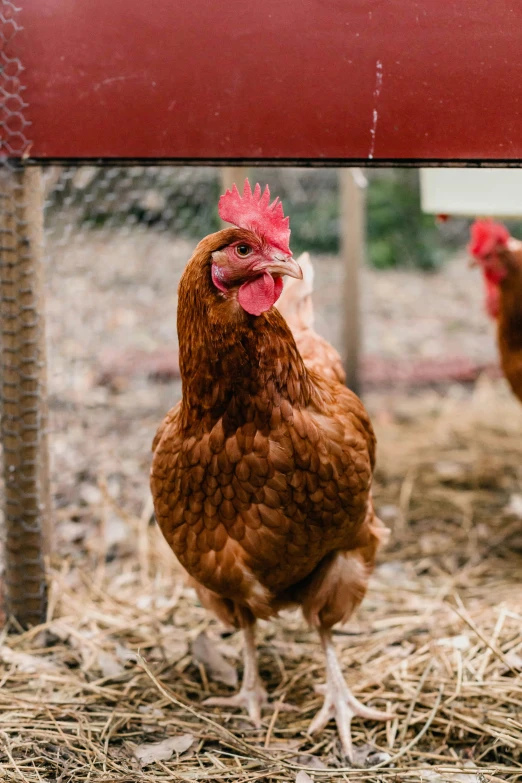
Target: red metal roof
(289, 80)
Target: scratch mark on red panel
(375, 114)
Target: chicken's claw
(339, 701)
(341, 705)
(251, 699)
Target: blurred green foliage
(399, 233)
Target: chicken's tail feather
(295, 303)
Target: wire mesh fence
(119, 237)
(116, 239)
(181, 201)
(115, 242)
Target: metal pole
(353, 231)
(27, 534)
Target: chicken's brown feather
(509, 322)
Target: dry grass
(438, 637)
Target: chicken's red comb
(255, 212)
(486, 235)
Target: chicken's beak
(472, 262)
(285, 265)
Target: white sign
(472, 192)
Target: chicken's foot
(339, 702)
(252, 696)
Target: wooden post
(353, 231)
(23, 395)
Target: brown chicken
(295, 305)
(261, 475)
(500, 257)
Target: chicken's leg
(252, 695)
(339, 702)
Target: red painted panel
(273, 79)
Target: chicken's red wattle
(258, 295)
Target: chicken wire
(119, 237)
(23, 382)
(116, 240)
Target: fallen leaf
(150, 709)
(514, 506)
(279, 744)
(90, 494)
(72, 532)
(229, 651)
(164, 750)
(389, 513)
(109, 664)
(25, 662)
(448, 471)
(460, 777)
(125, 655)
(151, 715)
(514, 660)
(116, 531)
(205, 651)
(460, 642)
(367, 756)
(172, 647)
(303, 777)
(307, 760)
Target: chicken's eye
(243, 250)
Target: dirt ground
(127, 655)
